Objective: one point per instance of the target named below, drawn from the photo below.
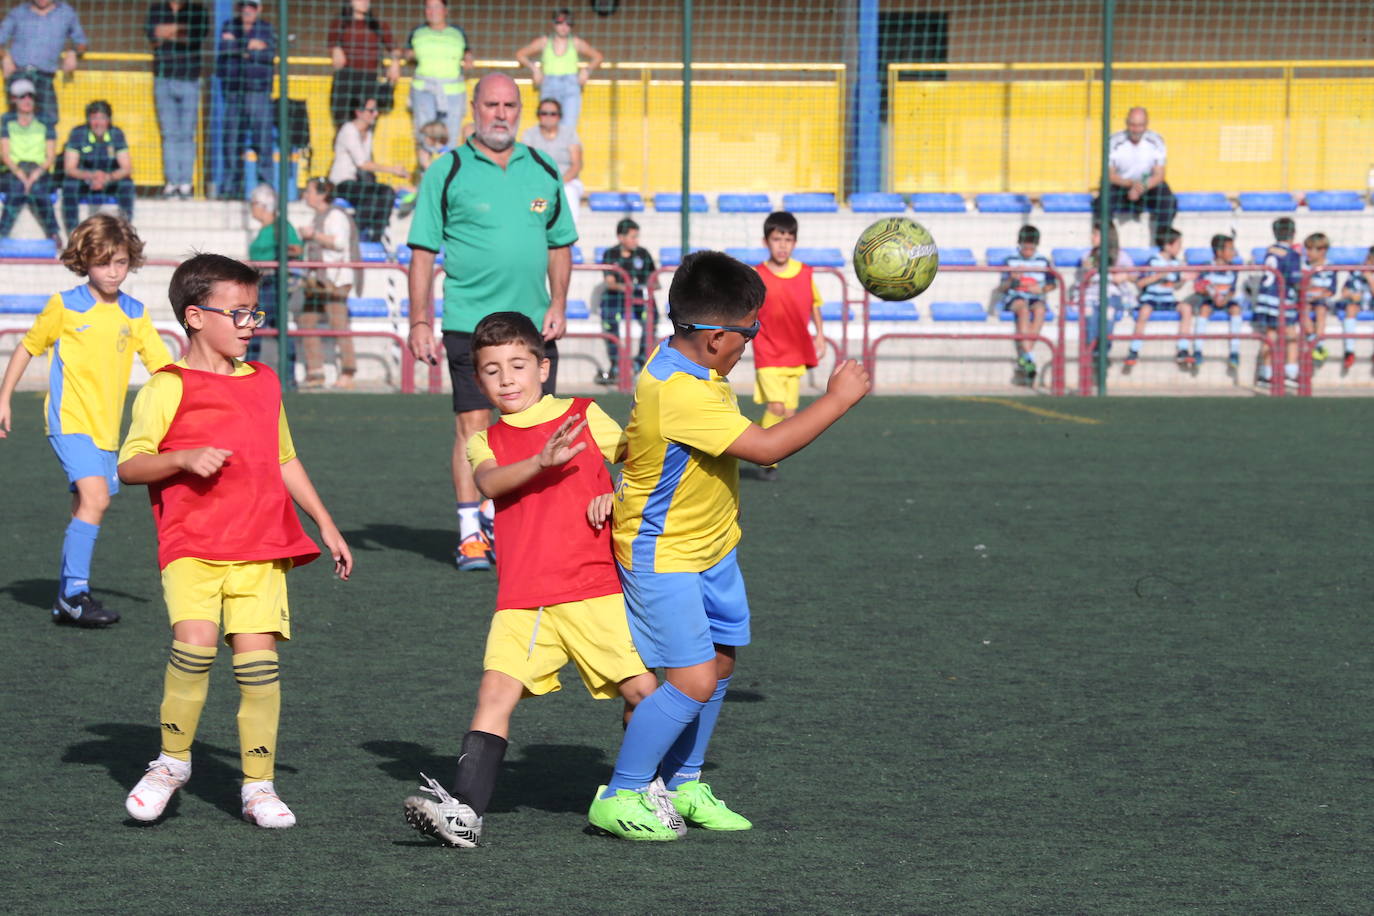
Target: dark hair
(779, 221)
(1284, 229)
(346, 13)
(1028, 235)
(556, 104)
(1316, 240)
(95, 241)
(562, 12)
(713, 288)
(626, 225)
(323, 185)
(1219, 242)
(100, 105)
(1167, 237)
(500, 328)
(194, 281)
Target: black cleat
(83, 611)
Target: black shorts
(461, 372)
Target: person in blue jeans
(96, 161)
(177, 30)
(559, 72)
(247, 45)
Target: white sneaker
(662, 801)
(447, 820)
(169, 191)
(147, 800)
(184, 191)
(261, 806)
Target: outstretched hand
(563, 446)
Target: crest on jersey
(538, 205)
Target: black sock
(478, 764)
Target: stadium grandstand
(974, 118)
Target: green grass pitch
(1003, 662)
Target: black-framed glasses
(748, 333)
(242, 318)
(548, 114)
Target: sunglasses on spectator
(749, 333)
(242, 318)
(26, 95)
(550, 113)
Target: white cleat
(147, 800)
(662, 801)
(443, 817)
(261, 806)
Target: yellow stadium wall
(1223, 134)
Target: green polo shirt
(496, 236)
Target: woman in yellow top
(559, 71)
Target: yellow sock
(771, 419)
(183, 696)
(259, 681)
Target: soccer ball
(896, 258)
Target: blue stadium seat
(1071, 202)
(1202, 202)
(615, 202)
(744, 203)
(27, 248)
(1002, 203)
(1347, 255)
(1222, 315)
(811, 202)
(671, 255)
(438, 308)
(831, 311)
(1068, 257)
(671, 202)
(998, 256)
(577, 308)
(1267, 201)
(1164, 315)
(820, 257)
(576, 254)
(877, 202)
(373, 252)
(958, 311)
(366, 308)
(957, 257)
(938, 202)
(1335, 200)
(1141, 256)
(882, 310)
(403, 255)
(599, 251)
(748, 255)
(1198, 256)
(1009, 315)
(23, 303)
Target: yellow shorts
(531, 645)
(778, 383)
(240, 597)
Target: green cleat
(629, 815)
(698, 805)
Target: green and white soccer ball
(896, 258)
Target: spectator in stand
(560, 73)
(1136, 159)
(1215, 289)
(332, 238)
(96, 161)
(1321, 292)
(1120, 291)
(1277, 297)
(178, 31)
(1355, 297)
(442, 55)
(354, 173)
(563, 146)
(433, 143)
(263, 205)
(247, 47)
(35, 36)
(1023, 294)
(357, 40)
(1159, 288)
(28, 148)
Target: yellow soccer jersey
(677, 505)
(93, 345)
(156, 406)
(606, 432)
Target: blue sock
(1236, 325)
(1135, 347)
(78, 545)
(653, 728)
(1348, 328)
(684, 759)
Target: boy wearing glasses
(93, 331)
(209, 439)
(676, 526)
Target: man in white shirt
(1136, 159)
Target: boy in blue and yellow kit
(94, 331)
(676, 526)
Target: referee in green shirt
(496, 209)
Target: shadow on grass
(41, 593)
(558, 778)
(430, 543)
(124, 749)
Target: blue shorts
(1271, 322)
(80, 458)
(677, 619)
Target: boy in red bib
(784, 348)
(210, 440)
(558, 594)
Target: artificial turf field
(1003, 662)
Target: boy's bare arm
(303, 493)
(848, 384)
(148, 468)
(499, 479)
(13, 372)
